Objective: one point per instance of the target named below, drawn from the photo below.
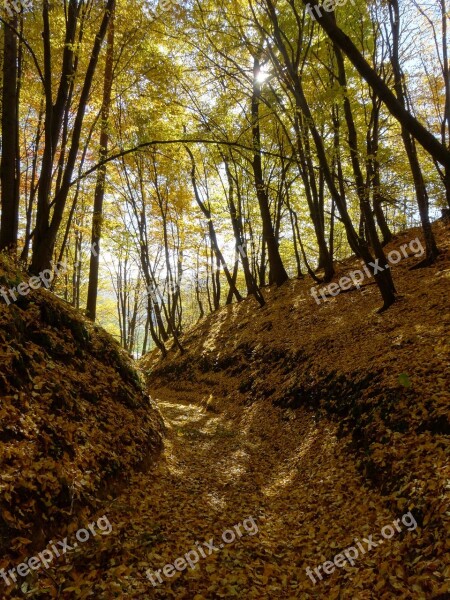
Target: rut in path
(290, 474)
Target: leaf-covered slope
(384, 378)
(74, 416)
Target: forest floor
(343, 427)
(293, 478)
(290, 483)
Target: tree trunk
(362, 190)
(238, 230)
(33, 187)
(410, 146)
(278, 273)
(294, 227)
(97, 217)
(307, 173)
(212, 234)
(373, 169)
(8, 168)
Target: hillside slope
(383, 379)
(75, 419)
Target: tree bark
(97, 217)
(8, 168)
(278, 273)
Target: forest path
(288, 482)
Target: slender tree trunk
(158, 343)
(197, 291)
(278, 273)
(76, 274)
(262, 270)
(97, 217)
(408, 140)
(18, 92)
(234, 275)
(374, 179)
(362, 190)
(33, 187)
(133, 319)
(240, 246)
(146, 332)
(307, 173)
(294, 226)
(8, 168)
(373, 169)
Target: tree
(408, 140)
(9, 168)
(50, 212)
(278, 273)
(435, 148)
(97, 216)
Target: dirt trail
(284, 470)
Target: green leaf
(404, 380)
